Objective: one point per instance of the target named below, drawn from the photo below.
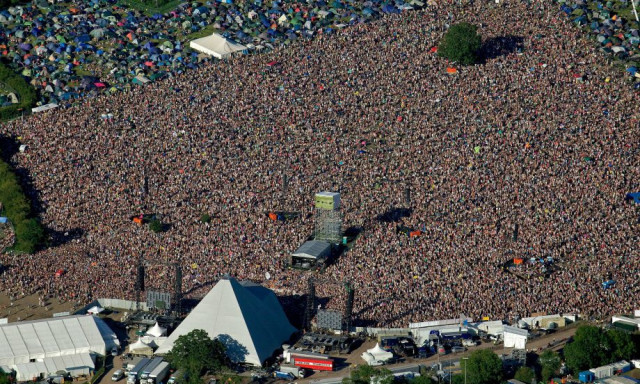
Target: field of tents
(68, 51)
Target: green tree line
(594, 347)
(26, 93)
(28, 230)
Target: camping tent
(228, 312)
(217, 46)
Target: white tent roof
(138, 345)
(246, 317)
(217, 46)
(157, 331)
(378, 354)
(95, 310)
(70, 335)
(75, 364)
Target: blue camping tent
(3, 220)
(635, 196)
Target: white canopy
(217, 46)
(246, 317)
(95, 310)
(140, 348)
(157, 331)
(138, 345)
(376, 354)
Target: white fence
(129, 305)
(382, 331)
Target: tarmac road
(354, 358)
(554, 341)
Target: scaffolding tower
(328, 226)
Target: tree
(4, 378)
(623, 347)
(205, 218)
(590, 348)
(483, 367)
(366, 374)
(421, 380)
(195, 352)
(461, 44)
(525, 374)
(155, 225)
(550, 364)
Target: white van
(117, 375)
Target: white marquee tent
(246, 317)
(95, 310)
(76, 365)
(515, 337)
(157, 331)
(217, 46)
(140, 348)
(376, 354)
(71, 335)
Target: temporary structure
(95, 310)
(246, 317)
(25, 341)
(157, 331)
(376, 355)
(76, 365)
(140, 348)
(217, 46)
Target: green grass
(80, 71)
(206, 31)
(149, 7)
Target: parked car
(117, 375)
(114, 351)
(458, 349)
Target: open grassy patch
(151, 7)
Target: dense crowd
(370, 111)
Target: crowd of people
(516, 142)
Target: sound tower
(177, 289)
(349, 308)
(311, 302)
(140, 278)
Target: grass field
(151, 7)
(206, 31)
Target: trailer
(314, 364)
(611, 369)
(296, 371)
(159, 374)
(135, 372)
(178, 377)
(149, 368)
(129, 365)
(284, 375)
